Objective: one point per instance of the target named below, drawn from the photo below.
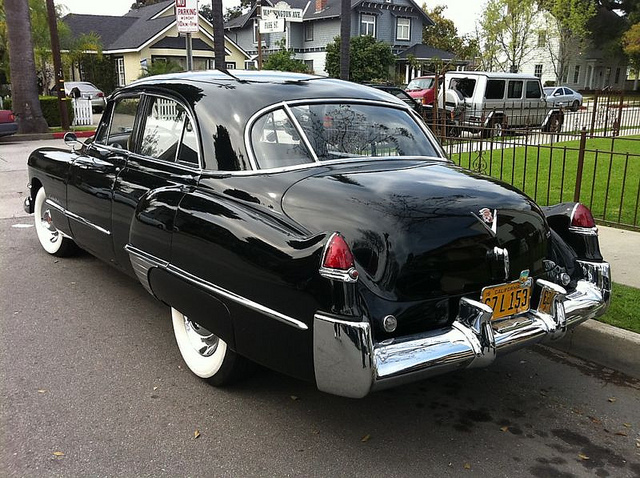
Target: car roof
(494, 75)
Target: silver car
(84, 89)
(563, 96)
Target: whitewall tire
(51, 240)
(206, 355)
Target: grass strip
(624, 311)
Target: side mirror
(71, 140)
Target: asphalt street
(92, 384)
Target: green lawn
(624, 309)
(610, 179)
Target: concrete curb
(41, 136)
(603, 344)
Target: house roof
(136, 29)
(331, 10)
(423, 52)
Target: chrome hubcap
(47, 223)
(202, 341)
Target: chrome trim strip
(301, 132)
(145, 261)
(75, 217)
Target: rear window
(495, 90)
(336, 131)
(464, 85)
(515, 90)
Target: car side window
(276, 142)
(163, 129)
(533, 89)
(494, 90)
(118, 133)
(189, 145)
(514, 91)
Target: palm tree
(218, 35)
(24, 87)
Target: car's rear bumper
(348, 362)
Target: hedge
(50, 111)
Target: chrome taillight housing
(337, 260)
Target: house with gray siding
(398, 23)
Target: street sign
(283, 10)
(272, 25)
(187, 16)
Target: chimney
(321, 5)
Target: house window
(120, 71)
(617, 75)
(403, 29)
(542, 39)
(537, 70)
(309, 65)
(250, 65)
(367, 25)
(576, 73)
(230, 65)
(308, 31)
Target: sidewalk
(602, 343)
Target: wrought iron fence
(595, 160)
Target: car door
(92, 177)
(164, 163)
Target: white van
(494, 102)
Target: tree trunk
(218, 34)
(345, 39)
(24, 86)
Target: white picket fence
(82, 113)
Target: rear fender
(584, 242)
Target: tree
(161, 68)
(443, 34)
(24, 89)
(567, 22)
(631, 47)
(283, 60)
(370, 59)
(508, 32)
(143, 3)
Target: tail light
(337, 260)
(12, 117)
(581, 217)
(100, 94)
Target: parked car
(8, 124)
(316, 227)
(422, 88)
(84, 89)
(401, 95)
(563, 96)
(494, 102)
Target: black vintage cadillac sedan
(313, 226)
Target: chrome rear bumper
(349, 363)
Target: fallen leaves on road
(612, 399)
(366, 438)
(58, 453)
(467, 466)
(196, 434)
(294, 398)
(42, 390)
(622, 434)
(582, 456)
(504, 429)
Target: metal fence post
(593, 114)
(583, 146)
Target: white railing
(82, 112)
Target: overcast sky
(464, 13)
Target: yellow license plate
(507, 299)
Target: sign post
(187, 21)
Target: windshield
(420, 84)
(336, 131)
(548, 91)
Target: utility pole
(57, 64)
